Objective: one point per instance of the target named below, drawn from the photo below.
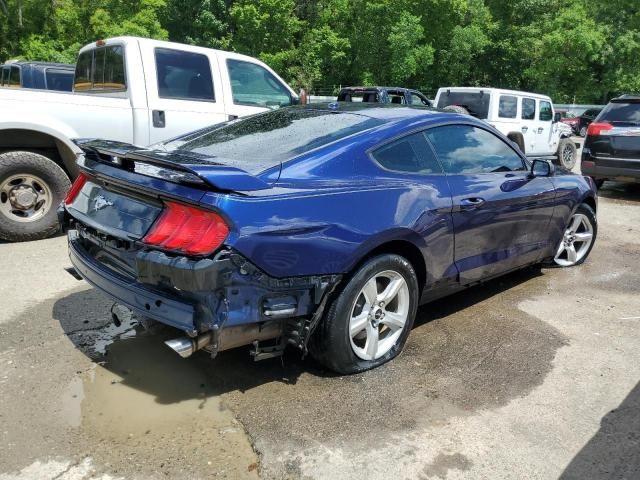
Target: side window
(418, 100)
(464, 149)
(61, 80)
(14, 78)
(101, 70)
(183, 75)
(528, 109)
(546, 112)
(411, 154)
(254, 85)
(508, 106)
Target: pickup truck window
(61, 80)
(254, 85)
(183, 75)
(100, 69)
(476, 103)
(546, 112)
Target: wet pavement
(534, 375)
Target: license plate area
(114, 212)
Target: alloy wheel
(576, 241)
(568, 157)
(379, 315)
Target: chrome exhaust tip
(185, 346)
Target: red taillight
(188, 230)
(75, 188)
(598, 128)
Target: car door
(546, 135)
(529, 125)
(184, 91)
(251, 88)
(500, 214)
(425, 205)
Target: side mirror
(556, 117)
(541, 168)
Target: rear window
(476, 103)
(61, 80)
(508, 106)
(621, 112)
(271, 137)
(101, 69)
(14, 77)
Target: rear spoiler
(170, 166)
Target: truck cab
(127, 89)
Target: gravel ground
(535, 375)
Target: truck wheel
(31, 188)
(567, 153)
(369, 322)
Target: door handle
(232, 117)
(540, 130)
(470, 203)
(524, 129)
(158, 118)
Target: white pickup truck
(128, 89)
(527, 119)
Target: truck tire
(567, 153)
(31, 188)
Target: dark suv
(399, 95)
(585, 120)
(612, 147)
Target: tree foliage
(570, 49)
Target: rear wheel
(578, 238)
(369, 322)
(567, 153)
(31, 188)
(456, 109)
(583, 131)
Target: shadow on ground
(468, 351)
(614, 451)
(620, 191)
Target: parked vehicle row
(126, 89)
(318, 227)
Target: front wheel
(369, 322)
(567, 153)
(583, 131)
(578, 238)
(31, 188)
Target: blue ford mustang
(318, 227)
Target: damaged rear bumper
(223, 293)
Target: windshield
(476, 103)
(269, 138)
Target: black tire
(588, 212)
(518, 139)
(331, 342)
(598, 182)
(567, 153)
(55, 179)
(456, 109)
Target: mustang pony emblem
(101, 203)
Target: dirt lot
(535, 375)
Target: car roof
(377, 88)
(40, 64)
(626, 98)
